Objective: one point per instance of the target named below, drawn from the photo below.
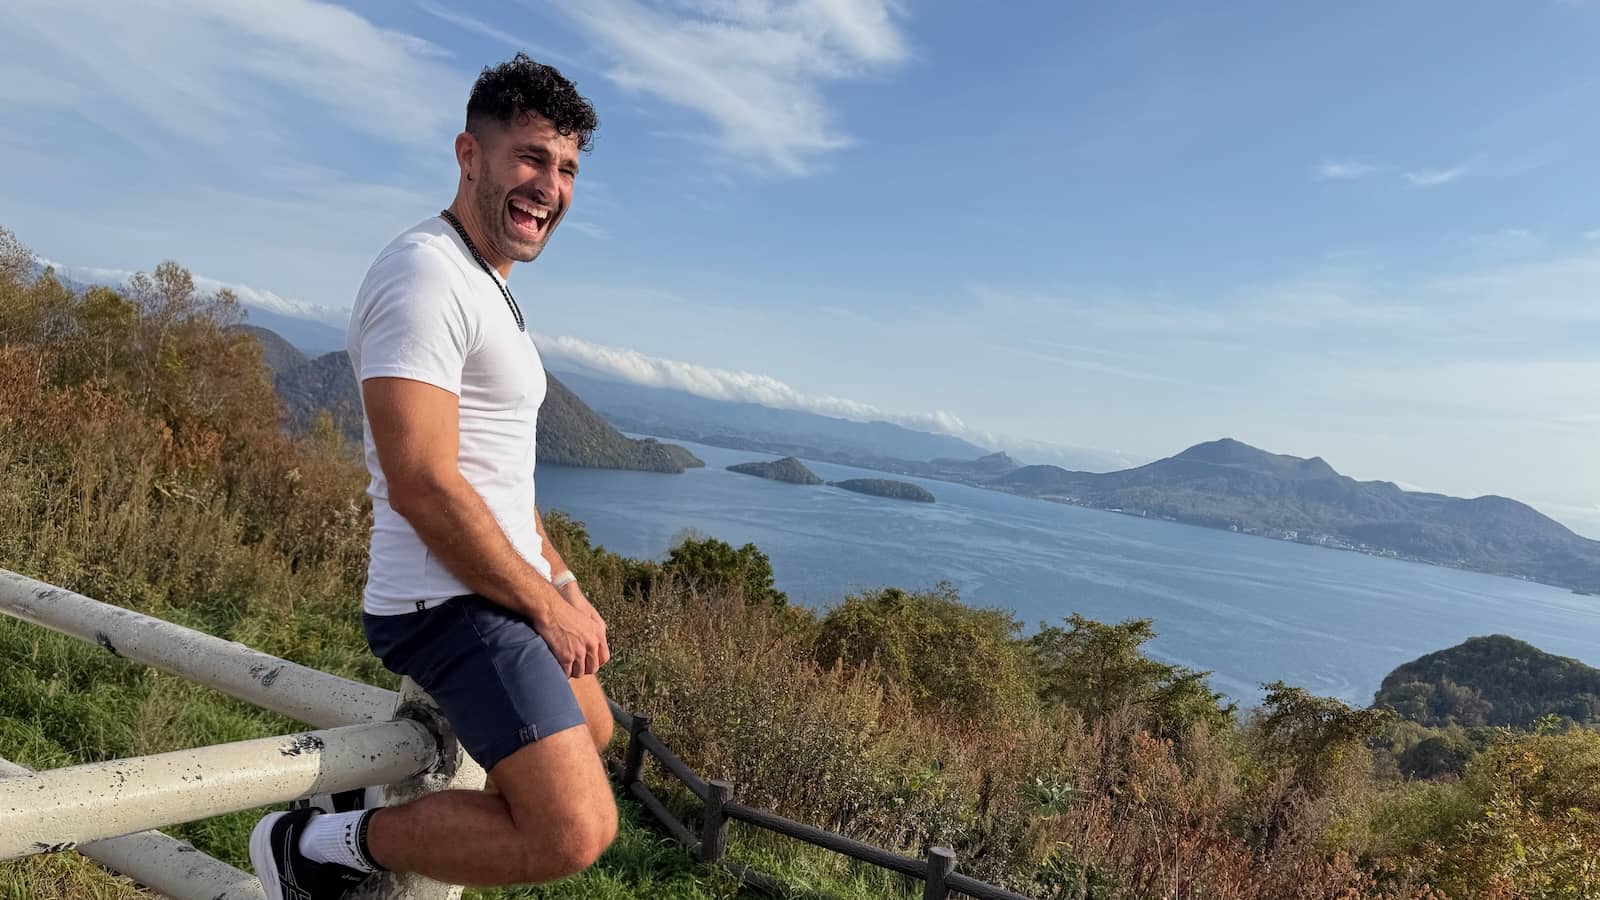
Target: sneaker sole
(261, 858)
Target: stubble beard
(490, 201)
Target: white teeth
(538, 212)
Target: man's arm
(572, 592)
(415, 430)
(551, 554)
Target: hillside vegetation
(1494, 680)
(788, 469)
(884, 487)
(143, 461)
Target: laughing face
(522, 186)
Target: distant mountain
(982, 471)
(323, 383)
(311, 338)
(277, 353)
(787, 469)
(883, 487)
(570, 434)
(1228, 484)
(750, 426)
(1494, 680)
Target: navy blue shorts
(491, 674)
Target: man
(464, 592)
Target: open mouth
(529, 219)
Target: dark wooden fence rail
(937, 871)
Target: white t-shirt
(428, 312)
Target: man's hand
(575, 596)
(577, 637)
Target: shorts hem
(531, 733)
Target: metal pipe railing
(62, 808)
(290, 689)
(164, 864)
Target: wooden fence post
(714, 824)
(633, 762)
(941, 862)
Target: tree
(948, 657)
(1313, 757)
(1435, 757)
(709, 564)
(1096, 669)
(1539, 831)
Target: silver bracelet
(564, 579)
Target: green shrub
(949, 658)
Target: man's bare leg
(553, 816)
(596, 711)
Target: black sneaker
(285, 872)
(344, 801)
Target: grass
(63, 701)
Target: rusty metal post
(62, 808)
(299, 692)
(456, 771)
(714, 823)
(941, 863)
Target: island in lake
(883, 487)
(787, 469)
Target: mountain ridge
(569, 434)
(1231, 485)
(675, 413)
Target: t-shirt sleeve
(413, 324)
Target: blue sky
(1367, 231)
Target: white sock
(337, 838)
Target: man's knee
(571, 842)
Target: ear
(467, 152)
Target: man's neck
(476, 232)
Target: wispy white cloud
(588, 229)
(161, 116)
(725, 384)
(219, 72)
(1343, 170)
(634, 367)
(493, 32)
(1093, 366)
(753, 69)
(249, 296)
(1311, 302)
(1435, 177)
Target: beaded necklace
(511, 302)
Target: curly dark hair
(521, 86)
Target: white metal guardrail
(366, 736)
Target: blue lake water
(1251, 610)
